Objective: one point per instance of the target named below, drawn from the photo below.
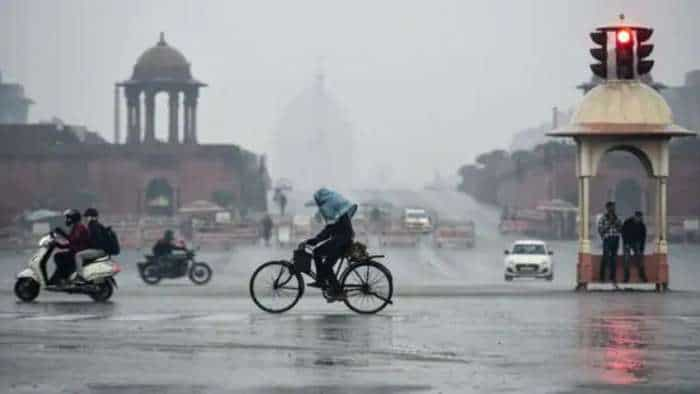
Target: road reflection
(615, 339)
(342, 339)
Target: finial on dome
(162, 39)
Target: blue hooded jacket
(332, 205)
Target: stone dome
(162, 63)
(622, 107)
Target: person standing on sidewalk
(634, 236)
(609, 227)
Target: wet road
(456, 327)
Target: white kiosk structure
(622, 115)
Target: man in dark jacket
(634, 236)
(163, 252)
(335, 238)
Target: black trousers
(610, 247)
(325, 257)
(65, 265)
(635, 248)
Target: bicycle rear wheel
(368, 287)
(276, 287)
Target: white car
(529, 259)
(418, 220)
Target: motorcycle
(98, 275)
(153, 270)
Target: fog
(425, 86)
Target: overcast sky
(427, 85)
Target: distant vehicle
(529, 259)
(175, 266)
(398, 236)
(457, 235)
(415, 219)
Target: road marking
(223, 317)
(146, 317)
(64, 317)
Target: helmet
(169, 235)
(72, 216)
(91, 213)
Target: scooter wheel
(150, 274)
(26, 289)
(103, 292)
(200, 273)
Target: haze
(426, 85)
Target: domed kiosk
(622, 115)
(161, 68)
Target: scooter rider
(78, 240)
(335, 238)
(95, 243)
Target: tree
(224, 197)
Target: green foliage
(224, 198)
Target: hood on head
(332, 205)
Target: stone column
(662, 218)
(191, 116)
(133, 113)
(188, 124)
(584, 212)
(150, 116)
(174, 112)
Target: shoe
(335, 295)
(317, 284)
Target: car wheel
(508, 278)
(550, 277)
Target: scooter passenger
(95, 243)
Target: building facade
(14, 106)
(54, 166)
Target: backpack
(109, 240)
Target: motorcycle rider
(77, 241)
(164, 247)
(95, 243)
(334, 240)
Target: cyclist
(334, 240)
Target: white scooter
(99, 275)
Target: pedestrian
(634, 236)
(267, 228)
(609, 227)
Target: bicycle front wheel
(275, 287)
(368, 287)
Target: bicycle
(277, 286)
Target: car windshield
(528, 249)
(415, 215)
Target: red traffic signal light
(623, 36)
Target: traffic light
(600, 54)
(643, 50)
(624, 53)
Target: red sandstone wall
(118, 183)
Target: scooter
(178, 265)
(98, 275)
